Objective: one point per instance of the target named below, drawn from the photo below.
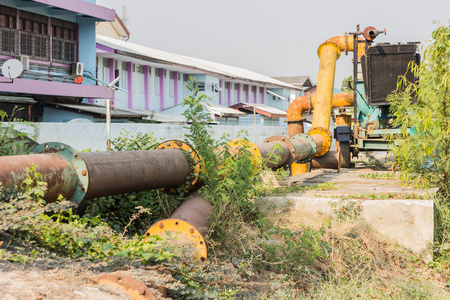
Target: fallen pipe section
(79, 176)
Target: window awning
(223, 111)
(276, 95)
(261, 109)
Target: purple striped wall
(146, 91)
(175, 87)
(255, 94)
(220, 92)
(238, 92)
(161, 89)
(42, 87)
(130, 84)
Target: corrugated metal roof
(159, 117)
(99, 110)
(299, 81)
(157, 56)
(261, 109)
(223, 111)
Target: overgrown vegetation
(253, 252)
(422, 111)
(12, 141)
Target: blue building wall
(58, 115)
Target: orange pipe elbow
(301, 104)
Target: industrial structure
(81, 176)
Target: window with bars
(35, 33)
(8, 33)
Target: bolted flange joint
(327, 139)
(194, 164)
(76, 161)
(256, 158)
(304, 136)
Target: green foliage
(55, 228)
(424, 120)
(13, 142)
(345, 84)
(287, 251)
(130, 142)
(230, 179)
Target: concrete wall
(93, 135)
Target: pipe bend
(345, 43)
(301, 104)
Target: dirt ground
(52, 279)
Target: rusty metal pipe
(55, 170)
(267, 148)
(189, 223)
(112, 173)
(195, 211)
(301, 104)
(328, 161)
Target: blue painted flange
(304, 136)
(75, 159)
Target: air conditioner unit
(77, 68)
(25, 60)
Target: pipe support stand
(195, 167)
(76, 161)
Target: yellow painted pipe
(345, 43)
(328, 53)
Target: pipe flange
(75, 159)
(296, 121)
(319, 50)
(194, 165)
(254, 151)
(326, 134)
(186, 234)
(304, 136)
(280, 138)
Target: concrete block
(408, 222)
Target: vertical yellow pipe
(328, 53)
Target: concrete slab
(406, 217)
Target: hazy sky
(274, 38)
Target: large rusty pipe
(276, 148)
(189, 223)
(113, 173)
(55, 170)
(328, 161)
